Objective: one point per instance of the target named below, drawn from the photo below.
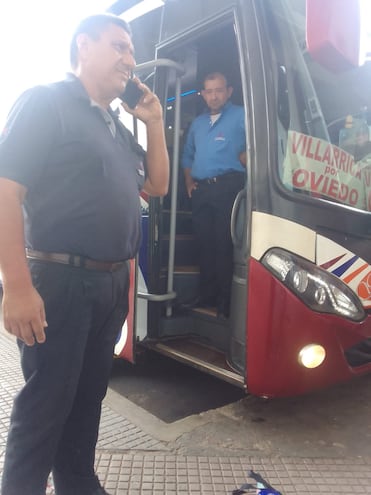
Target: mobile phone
(132, 94)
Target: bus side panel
(279, 325)
(124, 347)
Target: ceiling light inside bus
(311, 356)
(141, 8)
(317, 288)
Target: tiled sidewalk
(160, 474)
(130, 461)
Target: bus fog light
(311, 356)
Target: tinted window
(324, 118)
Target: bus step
(198, 356)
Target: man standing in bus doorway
(76, 171)
(213, 159)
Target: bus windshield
(324, 121)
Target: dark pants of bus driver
(55, 417)
(211, 216)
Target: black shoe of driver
(223, 310)
(200, 302)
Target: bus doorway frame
(237, 374)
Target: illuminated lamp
(311, 356)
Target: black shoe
(222, 316)
(200, 302)
(223, 310)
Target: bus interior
(195, 336)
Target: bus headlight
(300, 280)
(317, 288)
(311, 356)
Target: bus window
(323, 128)
(193, 13)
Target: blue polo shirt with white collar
(213, 149)
(82, 180)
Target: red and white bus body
(301, 228)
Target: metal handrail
(174, 193)
(160, 62)
(179, 69)
(157, 297)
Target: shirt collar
(223, 109)
(78, 90)
(76, 87)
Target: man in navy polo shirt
(76, 172)
(213, 160)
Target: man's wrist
(16, 280)
(154, 122)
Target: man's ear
(82, 43)
(229, 91)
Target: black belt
(74, 260)
(220, 178)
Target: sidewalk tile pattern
(116, 432)
(131, 462)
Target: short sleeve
(28, 137)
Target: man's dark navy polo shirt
(82, 183)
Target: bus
(301, 227)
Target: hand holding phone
(132, 94)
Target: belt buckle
(75, 260)
(211, 180)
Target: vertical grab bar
(179, 71)
(174, 194)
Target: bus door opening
(195, 335)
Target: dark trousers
(211, 216)
(55, 417)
